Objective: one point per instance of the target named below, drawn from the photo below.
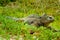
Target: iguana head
(45, 19)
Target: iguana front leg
(54, 30)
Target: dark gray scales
(37, 20)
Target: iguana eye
(50, 17)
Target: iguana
(36, 20)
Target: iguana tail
(14, 18)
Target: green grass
(11, 27)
